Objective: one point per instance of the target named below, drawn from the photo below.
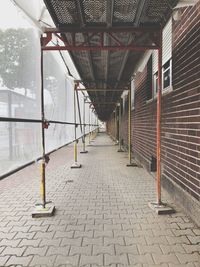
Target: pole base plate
(131, 165)
(120, 150)
(161, 209)
(76, 166)
(39, 211)
(84, 152)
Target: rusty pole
(158, 119)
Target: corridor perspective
(100, 133)
(102, 216)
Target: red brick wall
(180, 110)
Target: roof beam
(138, 48)
(118, 29)
(101, 90)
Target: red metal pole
(158, 141)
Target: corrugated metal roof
(104, 69)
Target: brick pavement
(102, 216)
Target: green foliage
(17, 59)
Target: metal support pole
(43, 173)
(120, 118)
(41, 209)
(83, 139)
(116, 142)
(130, 164)
(89, 128)
(10, 126)
(75, 165)
(158, 121)
(159, 207)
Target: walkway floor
(102, 216)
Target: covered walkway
(102, 217)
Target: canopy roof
(102, 24)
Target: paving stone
(50, 242)
(163, 232)
(169, 258)
(183, 265)
(105, 233)
(2, 249)
(109, 249)
(23, 229)
(123, 233)
(46, 235)
(167, 249)
(137, 259)
(196, 231)
(116, 259)
(100, 218)
(160, 240)
(39, 228)
(88, 234)
(24, 261)
(5, 229)
(108, 227)
(155, 265)
(46, 260)
(21, 235)
(9, 243)
(73, 260)
(92, 241)
(186, 225)
(194, 239)
(86, 250)
(59, 234)
(191, 248)
(132, 227)
(135, 240)
(29, 242)
(13, 251)
(77, 228)
(183, 232)
(126, 249)
(113, 241)
(143, 249)
(96, 260)
(187, 258)
(58, 251)
(7, 235)
(35, 251)
(3, 260)
(71, 242)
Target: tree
(17, 58)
